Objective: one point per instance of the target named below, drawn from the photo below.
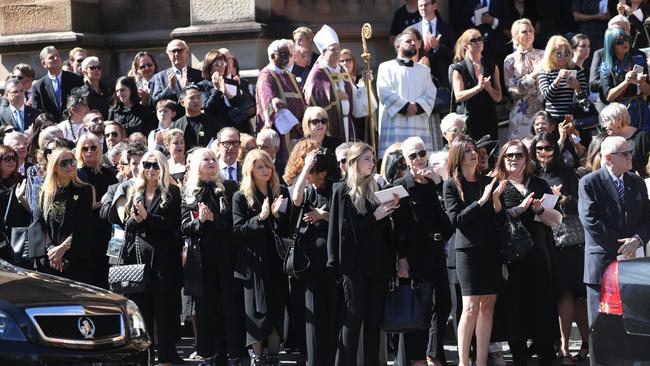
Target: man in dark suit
(491, 25)
(50, 92)
(17, 113)
(438, 38)
(227, 148)
(169, 83)
(614, 210)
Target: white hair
(277, 45)
(88, 60)
(412, 141)
(609, 145)
(269, 134)
(450, 120)
(13, 136)
(617, 21)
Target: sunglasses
(67, 162)
(514, 156)
(17, 77)
(150, 165)
(176, 50)
(315, 121)
(145, 66)
(95, 67)
(415, 155)
(456, 130)
(547, 148)
(47, 151)
(561, 54)
(111, 134)
(345, 60)
(220, 63)
(343, 161)
(10, 158)
(625, 154)
(89, 148)
(622, 40)
(475, 40)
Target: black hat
(489, 144)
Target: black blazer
(495, 42)
(161, 89)
(160, 233)
(441, 58)
(7, 118)
(208, 130)
(43, 97)
(476, 226)
(606, 219)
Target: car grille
(66, 326)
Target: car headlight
(9, 329)
(137, 328)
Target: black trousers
(219, 315)
(161, 305)
(294, 319)
(364, 303)
(323, 309)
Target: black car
(620, 334)
(48, 320)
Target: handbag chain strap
(138, 255)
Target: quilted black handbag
(408, 306)
(515, 239)
(585, 114)
(569, 232)
(295, 261)
(129, 278)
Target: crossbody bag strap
(11, 193)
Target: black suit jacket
(495, 42)
(207, 131)
(43, 97)
(606, 219)
(7, 118)
(162, 90)
(442, 57)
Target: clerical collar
(404, 62)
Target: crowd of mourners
(203, 173)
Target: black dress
(209, 280)
(422, 228)
(101, 229)
(640, 143)
(322, 293)
(569, 261)
(528, 296)
(361, 249)
(259, 266)
(136, 119)
(478, 261)
(480, 110)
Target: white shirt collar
(57, 77)
(184, 69)
(13, 109)
(614, 177)
(223, 165)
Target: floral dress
(526, 98)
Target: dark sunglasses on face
(625, 154)
(95, 67)
(145, 66)
(547, 148)
(111, 134)
(622, 40)
(67, 162)
(514, 156)
(150, 165)
(9, 158)
(47, 151)
(560, 54)
(345, 60)
(316, 121)
(87, 148)
(415, 155)
(343, 161)
(474, 40)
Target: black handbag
(129, 278)
(585, 114)
(242, 113)
(193, 269)
(442, 104)
(569, 232)
(295, 261)
(19, 238)
(515, 239)
(408, 306)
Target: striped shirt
(558, 100)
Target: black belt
(434, 236)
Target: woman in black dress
(152, 222)
(529, 294)
(64, 214)
(422, 228)
(91, 171)
(258, 213)
(207, 222)
(127, 109)
(473, 206)
(13, 205)
(569, 259)
(360, 248)
(312, 191)
(476, 84)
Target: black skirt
(569, 269)
(478, 271)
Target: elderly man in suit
(615, 212)
(169, 83)
(49, 93)
(17, 113)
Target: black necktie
(401, 62)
